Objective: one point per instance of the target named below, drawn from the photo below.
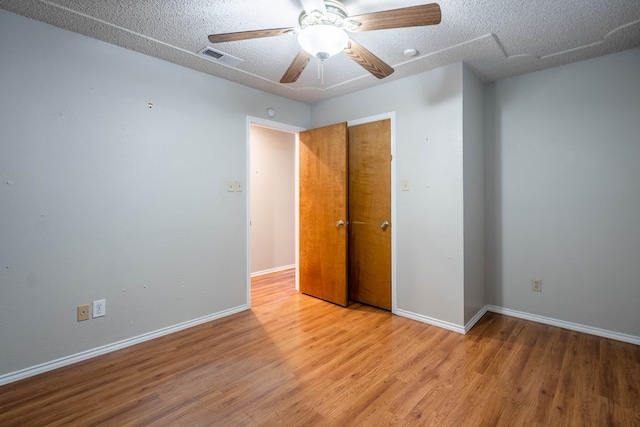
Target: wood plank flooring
(297, 361)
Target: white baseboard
(565, 325)
(430, 320)
(475, 319)
(521, 315)
(441, 323)
(273, 270)
(78, 357)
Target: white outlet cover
(99, 308)
(536, 285)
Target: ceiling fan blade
(368, 60)
(246, 35)
(296, 68)
(413, 16)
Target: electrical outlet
(99, 308)
(536, 285)
(83, 312)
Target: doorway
(271, 198)
(272, 191)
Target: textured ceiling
(497, 38)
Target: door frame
(392, 117)
(283, 127)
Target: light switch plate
(231, 186)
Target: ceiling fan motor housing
(335, 15)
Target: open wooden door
(370, 213)
(323, 213)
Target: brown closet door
(370, 213)
(323, 213)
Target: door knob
(384, 225)
(340, 223)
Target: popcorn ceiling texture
(496, 38)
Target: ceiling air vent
(219, 57)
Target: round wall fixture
(271, 112)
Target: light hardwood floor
(295, 360)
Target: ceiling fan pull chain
(321, 71)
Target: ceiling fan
(323, 33)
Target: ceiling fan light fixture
(323, 41)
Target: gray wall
(474, 219)
(563, 192)
(429, 217)
(102, 197)
(272, 179)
